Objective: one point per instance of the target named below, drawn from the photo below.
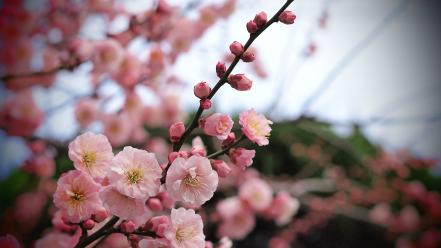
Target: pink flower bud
(128, 226)
(176, 130)
(287, 17)
(154, 204)
(208, 244)
(220, 69)
(241, 157)
(218, 125)
(230, 139)
(248, 56)
(252, 27)
(205, 103)
(222, 168)
(240, 82)
(172, 156)
(167, 201)
(158, 224)
(236, 48)
(261, 19)
(202, 90)
(88, 224)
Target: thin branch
(226, 149)
(85, 241)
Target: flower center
(134, 176)
(186, 233)
(191, 181)
(76, 197)
(89, 158)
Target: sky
(377, 63)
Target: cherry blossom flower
(77, 196)
(117, 128)
(218, 125)
(121, 205)
(242, 157)
(186, 229)
(255, 126)
(257, 193)
(237, 219)
(86, 112)
(91, 153)
(191, 181)
(135, 173)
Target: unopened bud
(240, 82)
(236, 48)
(287, 17)
(154, 204)
(221, 167)
(128, 226)
(251, 27)
(205, 103)
(176, 130)
(201, 90)
(261, 19)
(220, 69)
(248, 56)
(88, 224)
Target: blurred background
(351, 83)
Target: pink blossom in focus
(135, 173)
(242, 157)
(91, 153)
(176, 130)
(218, 125)
(255, 126)
(257, 193)
(77, 196)
(121, 205)
(186, 229)
(191, 181)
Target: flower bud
(176, 130)
(88, 224)
(236, 48)
(157, 224)
(252, 27)
(261, 19)
(222, 168)
(202, 90)
(172, 156)
(166, 200)
(100, 215)
(287, 17)
(205, 103)
(154, 204)
(240, 82)
(220, 69)
(242, 158)
(248, 56)
(128, 226)
(229, 140)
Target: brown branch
(226, 149)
